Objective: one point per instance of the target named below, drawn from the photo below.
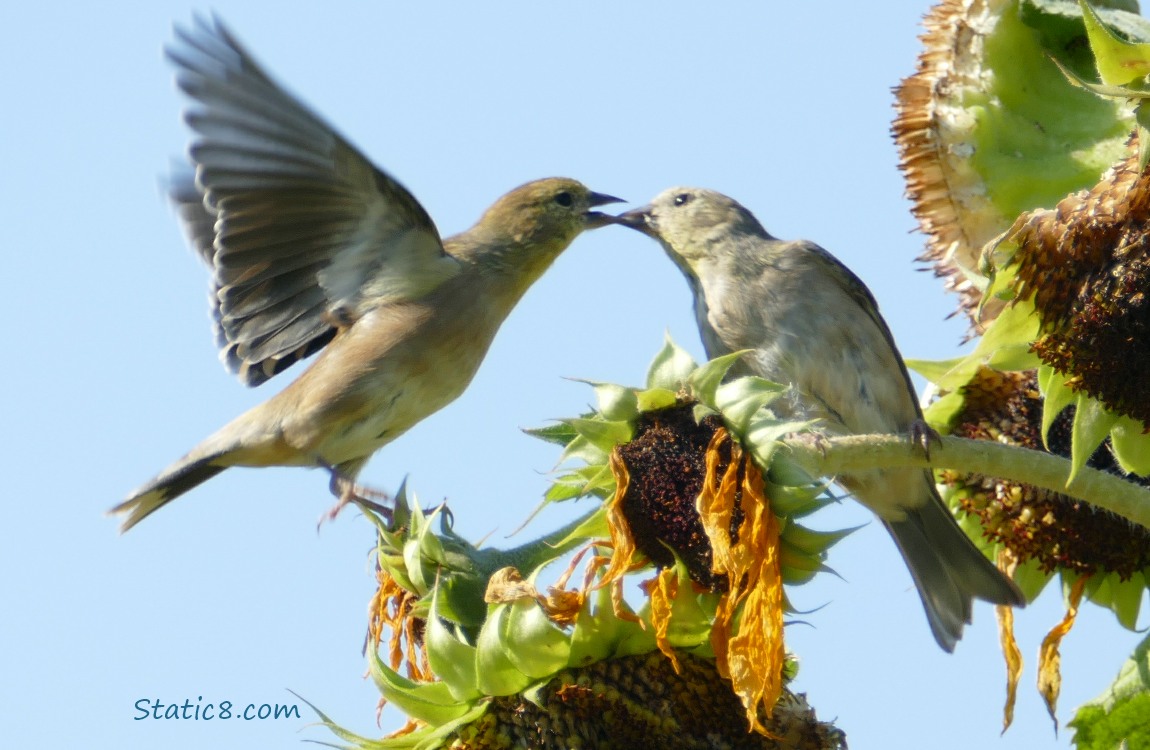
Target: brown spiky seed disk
(640, 702)
(1086, 263)
(667, 463)
(1060, 533)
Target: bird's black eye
(564, 199)
(682, 199)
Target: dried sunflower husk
(989, 127)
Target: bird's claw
(365, 497)
(923, 435)
(813, 439)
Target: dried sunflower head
(500, 658)
(1059, 533)
(988, 126)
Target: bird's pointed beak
(638, 219)
(596, 219)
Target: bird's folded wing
(865, 301)
(302, 232)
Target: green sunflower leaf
(1127, 600)
(1119, 61)
(598, 631)
(670, 368)
(496, 674)
(429, 701)
(706, 379)
(1092, 423)
(1117, 718)
(653, 399)
(740, 400)
(582, 449)
(944, 411)
(932, 370)
(603, 434)
(452, 659)
(1131, 445)
(616, 403)
(560, 434)
(814, 542)
(1057, 395)
(532, 643)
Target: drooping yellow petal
(562, 605)
(752, 656)
(662, 593)
(756, 653)
(378, 615)
(561, 582)
(622, 542)
(391, 609)
(716, 502)
(1010, 652)
(1049, 660)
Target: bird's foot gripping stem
(347, 491)
(923, 435)
(812, 439)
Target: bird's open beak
(596, 219)
(638, 219)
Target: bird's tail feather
(177, 479)
(948, 570)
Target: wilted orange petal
(388, 607)
(751, 658)
(377, 609)
(391, 609)
(721, 634)
(562, 606)
(716, 503)
(573, 566)
(1010, 652)
(756, 654)
(619, 604)
(507, 585)
(406, 729)
(418, 667)
(1049, 660)
(662, 595)
(594, 565)
(622, 543)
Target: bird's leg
(923, 434)
(347, 491)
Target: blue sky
(230, 594)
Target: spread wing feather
(295, 223)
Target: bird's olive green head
(546, 213)
(692, 223)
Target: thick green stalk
(842, 455)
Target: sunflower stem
(842, 455)
(527, 557)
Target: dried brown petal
(1049, 660)
(1010, 652)
(933, 130)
